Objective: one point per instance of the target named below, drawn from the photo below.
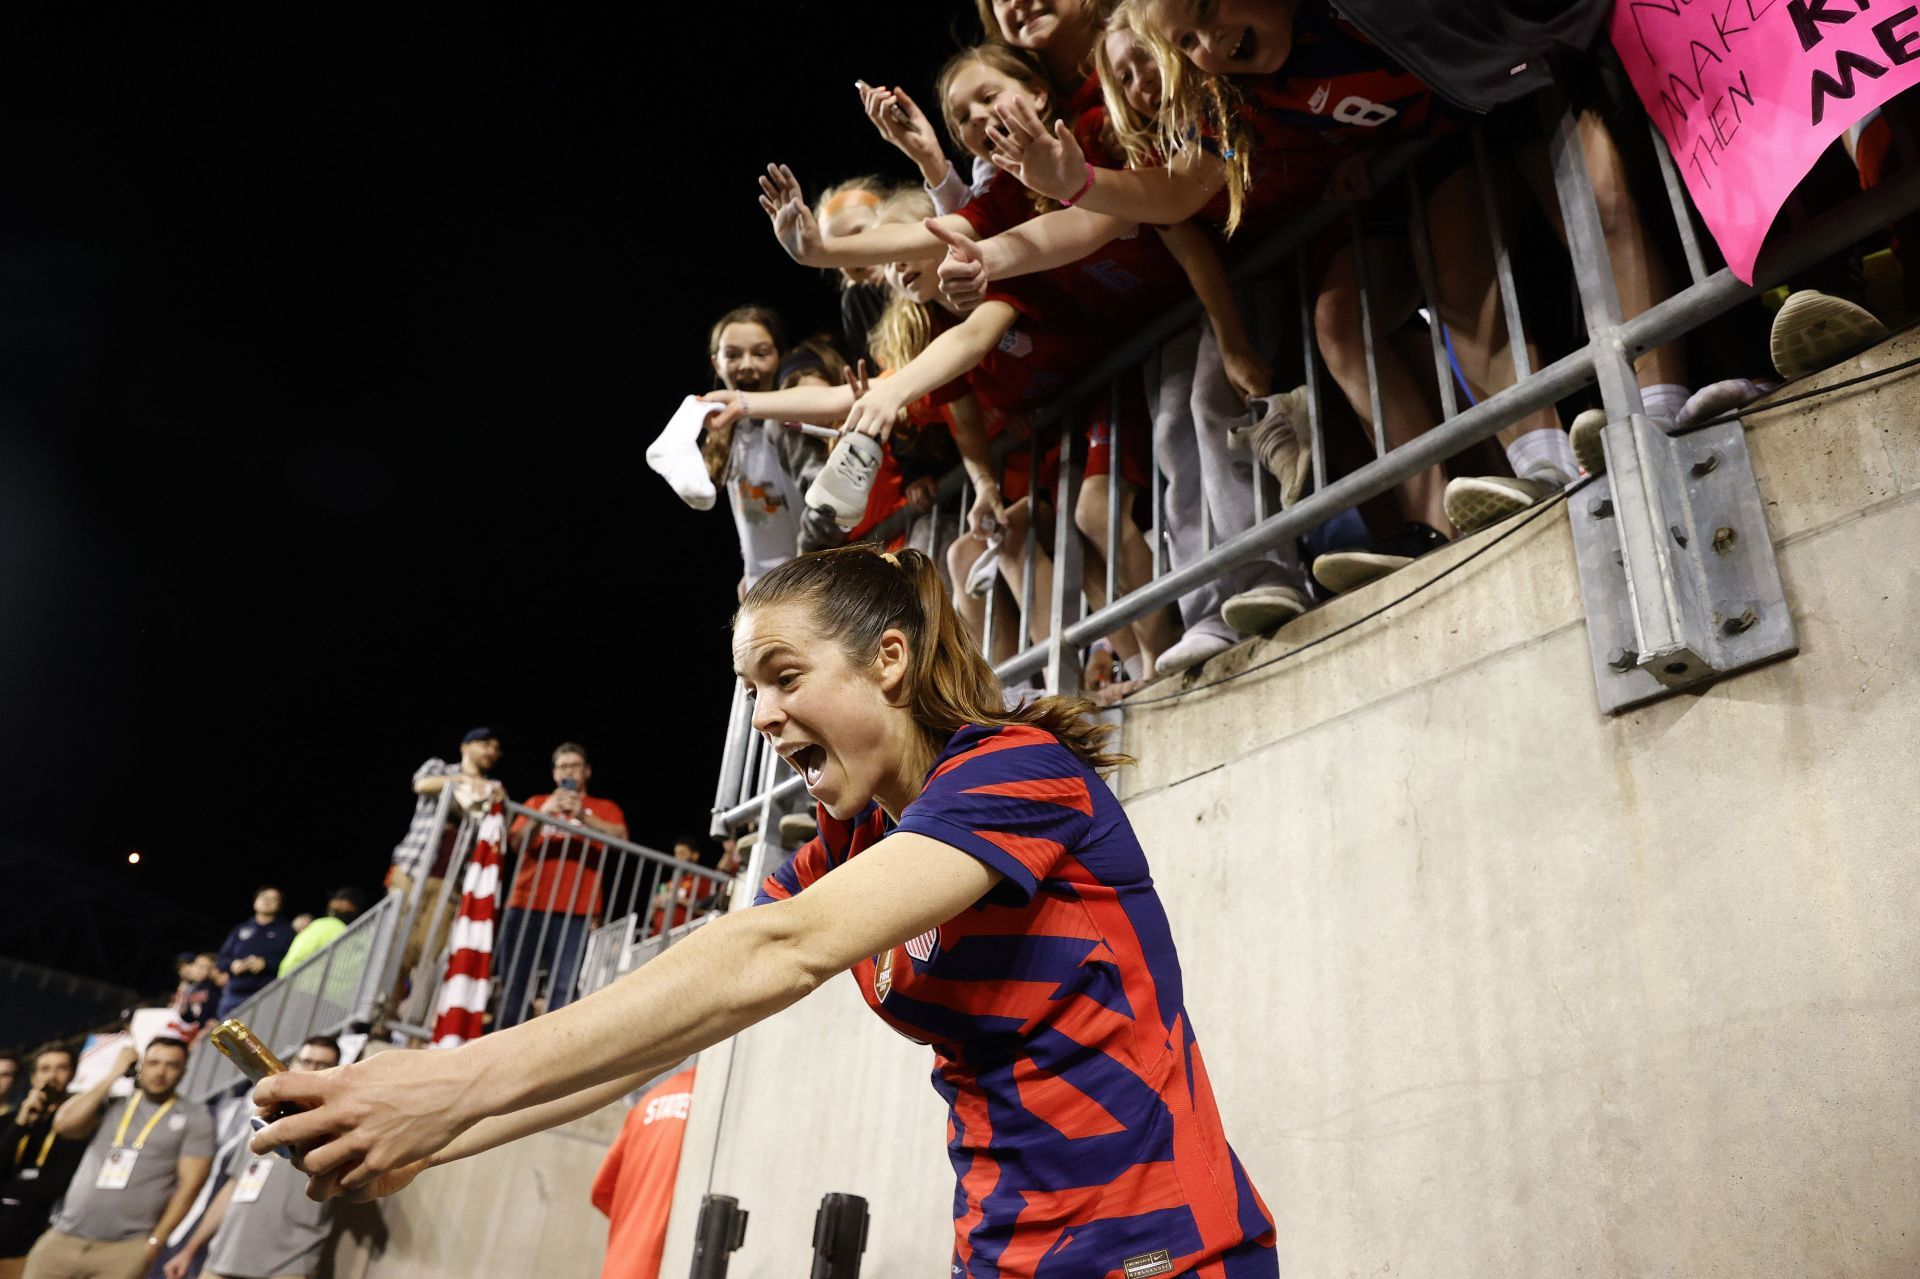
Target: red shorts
(1136, 446)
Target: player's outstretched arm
(368, 1124)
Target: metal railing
(590, 906)
(338, 989)
(1277, 276)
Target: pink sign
(1748, 93)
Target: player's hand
(1049, 161)
(793, 222)
(359, 1123)
(733, 408)
(963, 272)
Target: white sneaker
(847, 479)
(1256, 611)
(1192, 649)
(1474, 502)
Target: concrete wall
(1489, 984)
(521, 1210)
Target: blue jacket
(251, 937)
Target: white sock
(1546, 456)
(675, 453)
(1664, 400)
(1132, 667)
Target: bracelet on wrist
(1085, 187)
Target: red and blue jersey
(1082, 1127)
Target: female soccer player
(986, 890)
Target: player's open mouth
(1248, 46)
(810, 762)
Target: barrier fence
(590, 907)
(1677, 572)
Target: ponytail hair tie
(890, 558)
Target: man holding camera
(35, 1162)
(145, 1161)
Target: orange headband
(852, 195)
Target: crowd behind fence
(1568, 346)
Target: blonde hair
(904, 327)
(1193, 105)
(855, 594)
(1134, 135)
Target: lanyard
(20, 1151)
(126, 1117)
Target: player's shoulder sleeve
(815, 858)
(1014, 798)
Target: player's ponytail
(857, 593)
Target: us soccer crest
(919, 950)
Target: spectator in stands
(35, 1162)
(764, 467)
(9, 1075)
(261, 1223)
(687, 893)
(634, 1187)
(301, 921)
(197, 994)
(252, 952)
(343, 907)
(556, 886)
(142, 1168)
(423, 856)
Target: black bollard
(722, 1228)
(839, 1237)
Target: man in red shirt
(556, 887)
(635, 1184)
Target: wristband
(1081, 194)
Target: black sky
(330, 344)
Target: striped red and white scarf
(460, 1011)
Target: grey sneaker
(1814, 330)
(1474, 502)
(1587, 448)
(1279, 438)
(1256, 611)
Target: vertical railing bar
(1114, 481)
(1310, 362)
(1374, 404)
(1033, 543)
(1677, 202)
(1423, 265)
(1502, 262)
(520, 934)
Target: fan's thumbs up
(963, 272)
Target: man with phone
(262, 1225)
(35, 1162)
(145, 1161)
(556, 886)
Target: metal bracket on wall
(1676, 564)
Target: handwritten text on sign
(1748, 93)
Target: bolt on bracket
(1678, 576)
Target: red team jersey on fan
(1081, 1126)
